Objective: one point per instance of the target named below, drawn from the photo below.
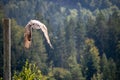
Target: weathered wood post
(7, 48)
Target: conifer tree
(112, 70)
(61, 55)
(104, 67)
(70, 43)
(92, 60)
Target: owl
(35, 24)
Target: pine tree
(71, 51)
(104, 67)
(80, 35)
(101, 33)
(70, 42)
(60, 48)
(112, 70)
(92, 59)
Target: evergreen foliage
(29, 72)
(85, 35)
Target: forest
(85, 35)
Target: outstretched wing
(38, 25)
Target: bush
(29, 72)
(1, 78)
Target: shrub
(29, 72)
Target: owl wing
(38, 25)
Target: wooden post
(7, 49)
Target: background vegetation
(85, 35)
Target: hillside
(85, 35)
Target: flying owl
(34, 24)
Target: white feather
(35, 24)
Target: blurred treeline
(85, 35)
